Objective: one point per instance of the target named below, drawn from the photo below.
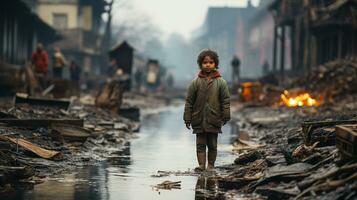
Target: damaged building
(226, 30)
(20, 30)
(83, 29)
(320, 32)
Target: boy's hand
(188, 126)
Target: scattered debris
(168, 185)
(309, 127)
(346, 141)
(25, 99)
(70, 133)
(36, 123)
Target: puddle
(163, 144)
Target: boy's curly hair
(207, 52)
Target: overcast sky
(181, 16)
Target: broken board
(44, 153)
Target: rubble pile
(333, 79)
(37, 141)
(281, 162)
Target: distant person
(75, 71)
(138, 78)
(235, 70)
(59, 62)
(112, 68)
(265, 68)
(75, 74)
(39, 60)
(207, 108)
(170, 80)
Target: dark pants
(206, 139)
(57, 72)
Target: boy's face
(208, 64)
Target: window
(60, 21)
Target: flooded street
(163, 143)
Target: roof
(122, 44)
(47, 34)
(341, 12)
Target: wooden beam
(62, 104)
(309, 127)
(35, 123)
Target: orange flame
(303, 99)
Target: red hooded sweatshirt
(40, 60)
(213, 74)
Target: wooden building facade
(320, 31)
(20, 31)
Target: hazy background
(165, 30)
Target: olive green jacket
(207, 105)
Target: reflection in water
(163, 144)
(206, 188)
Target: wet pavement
(163, 143)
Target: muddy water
(162, 144)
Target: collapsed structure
(312, 33)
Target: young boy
(207, 108)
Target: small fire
(303, 99)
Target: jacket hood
(213, 74)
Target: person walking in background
(39, 61)
(75, 74)
(59, 62)
(265, 68)
(75, 71)
(235, 70)
(207, 108)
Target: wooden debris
(12, 173)
(240, 144)
(6, 115)
(346, 140)
(70, 133)
(325, 182)
(25, 99)
(35, 123)
(247, 157)
(309, 127)
(110, 96)
(276, 193)
(304, 151)
(44, 153)
(168, 185)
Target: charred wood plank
(346, 141)
(44, 153)
(309, 127)
(6, 115)
(35, 123)
(62, 104)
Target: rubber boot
(211, 159)
(201, 158)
